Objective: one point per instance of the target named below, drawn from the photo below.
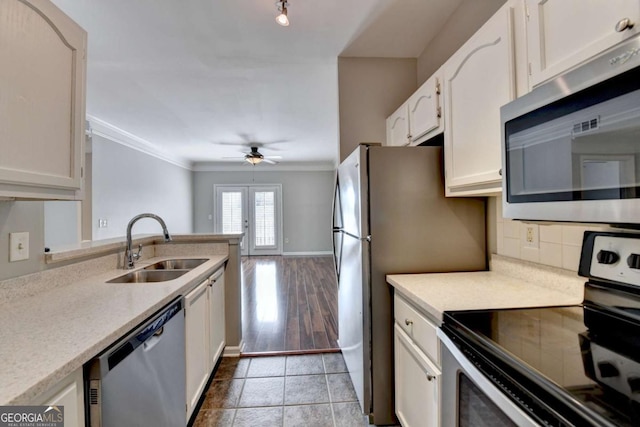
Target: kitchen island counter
(48, 334)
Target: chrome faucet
(130, 257)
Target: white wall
(18, 217)
(555, 244)
(127, 182)
(61, 223)
(307, 199)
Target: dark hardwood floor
(289, 304)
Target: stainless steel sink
(176, 264)
(148, 276)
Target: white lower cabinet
(204, 335)
(196, 321)
(68, 393)
(417, 374)
(216, 319)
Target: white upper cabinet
(478, 79)
(563, 33)
(419, 118)
(42, 101)
(398, 127)
(424, 111)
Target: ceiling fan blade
(273, 157)
(271, 162)
(233, 158)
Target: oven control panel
(616, 258)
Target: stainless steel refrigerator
(391, 217)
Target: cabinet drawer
(421, 330)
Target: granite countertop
(47, 336)
(510, 285)
(96, 247)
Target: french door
(255, 210)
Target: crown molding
(113, 133)
(289, 167)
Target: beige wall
(462, 24)
(558, 245)
(370, 89)
(18, 217)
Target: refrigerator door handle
(362, 239)
(336, 261)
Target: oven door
(469, 399)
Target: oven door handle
(510, 408)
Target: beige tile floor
(283, 391)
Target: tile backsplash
(555, 244)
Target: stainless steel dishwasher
(140, 380)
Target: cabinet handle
(430, 377)
(500, 172)
(624, 24)
(408, 322)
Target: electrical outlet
(286, 240)
(102, 223)
(18, 246)
(530, 236)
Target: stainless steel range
(557, 366)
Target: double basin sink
(161, 271)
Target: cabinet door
(417, 384)
(67, 393)
(424, 113)
(478, 80)
(217, 322)
(42, 101)
(398, 127)
(196, 306)
(564, 33)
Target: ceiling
(200, 80)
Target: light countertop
(47, 336)
(436, 293)
(97, 247)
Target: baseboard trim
(233, 350)
(311, 253)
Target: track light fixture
(282, 19)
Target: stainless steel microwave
(571, 147)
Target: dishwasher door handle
(155, 339)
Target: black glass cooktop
(586, 370)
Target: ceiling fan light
(254, 160)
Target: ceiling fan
(255, 157)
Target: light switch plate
(18, 246)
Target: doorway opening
(256, 211)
